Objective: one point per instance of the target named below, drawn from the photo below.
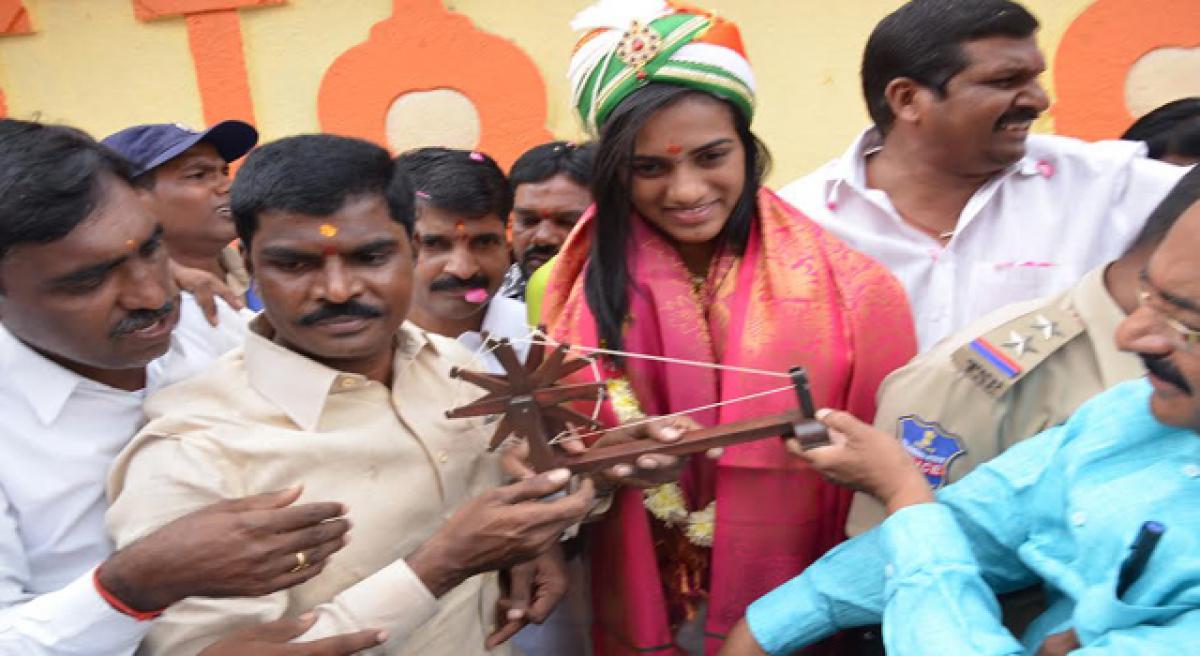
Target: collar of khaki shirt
(1101, 314)
(299, 385)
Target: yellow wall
(91, 63)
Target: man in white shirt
(91, 320)
(950, 192)
(462, 203)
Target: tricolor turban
(631, 43)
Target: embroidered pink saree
(798, 296)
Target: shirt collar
(1101, 314)
(45, 384)
(851, 167)
(299, 385)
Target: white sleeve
(71, 621)
(1146, 186)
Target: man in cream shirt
(333, 390)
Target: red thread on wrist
(120, 606)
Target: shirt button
(1191, 471)
(889, 570)
(443, 457)
(1079, 518)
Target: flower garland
(666, 502)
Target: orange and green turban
(628, 44)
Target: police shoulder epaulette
(1004, 355)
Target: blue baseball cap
(148, 147)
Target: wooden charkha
(529, 397)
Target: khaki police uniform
(1006, 377)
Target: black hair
(463, 182)
(543, 162)
(1173, 129)
(923, 40)
(315, 174)
(606, 283)
(52, 177)
(1183, 195)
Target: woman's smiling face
(688, 169)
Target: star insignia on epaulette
(1047, 327)
(1019, 343)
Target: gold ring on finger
(301, 561)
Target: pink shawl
(798, 296)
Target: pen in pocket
(1139, 554)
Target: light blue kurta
(1060, 508)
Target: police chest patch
(932, 447)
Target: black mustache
(546, 251)
(1019, 115)
(139, 319)
(1165, 370)
(452, 283)
(334, 310)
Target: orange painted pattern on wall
(148, 10)
(215, 38)
(423, 47)
(1097, 52)
(14, 18)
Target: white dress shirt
(505, 317)
(59, 435)
(1033, 230)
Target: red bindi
(674, 149)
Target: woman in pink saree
(686, 256)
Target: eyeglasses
(1153, 298)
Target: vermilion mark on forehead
(674, 149)
(328, 231)
(460, 229)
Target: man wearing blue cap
(185, 173)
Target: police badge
(932, 447)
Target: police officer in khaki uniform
(1019, 370)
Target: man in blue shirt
(1061, 509)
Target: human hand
(530, 592)
(741, 642)
(1059, 644)
(272, 639)
(865, 458)
(236, 548)
(205, 288)
(500, 528)
(647, 471)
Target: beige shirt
(265, 418)
(954, 409)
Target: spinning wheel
(529, 396)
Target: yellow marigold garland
(666, 502)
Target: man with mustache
(185, 177)
(975, 394)
(462, 204)
(90, 321)
(550, 194)
(1070, 509)
(949, 190)
(333, 388)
